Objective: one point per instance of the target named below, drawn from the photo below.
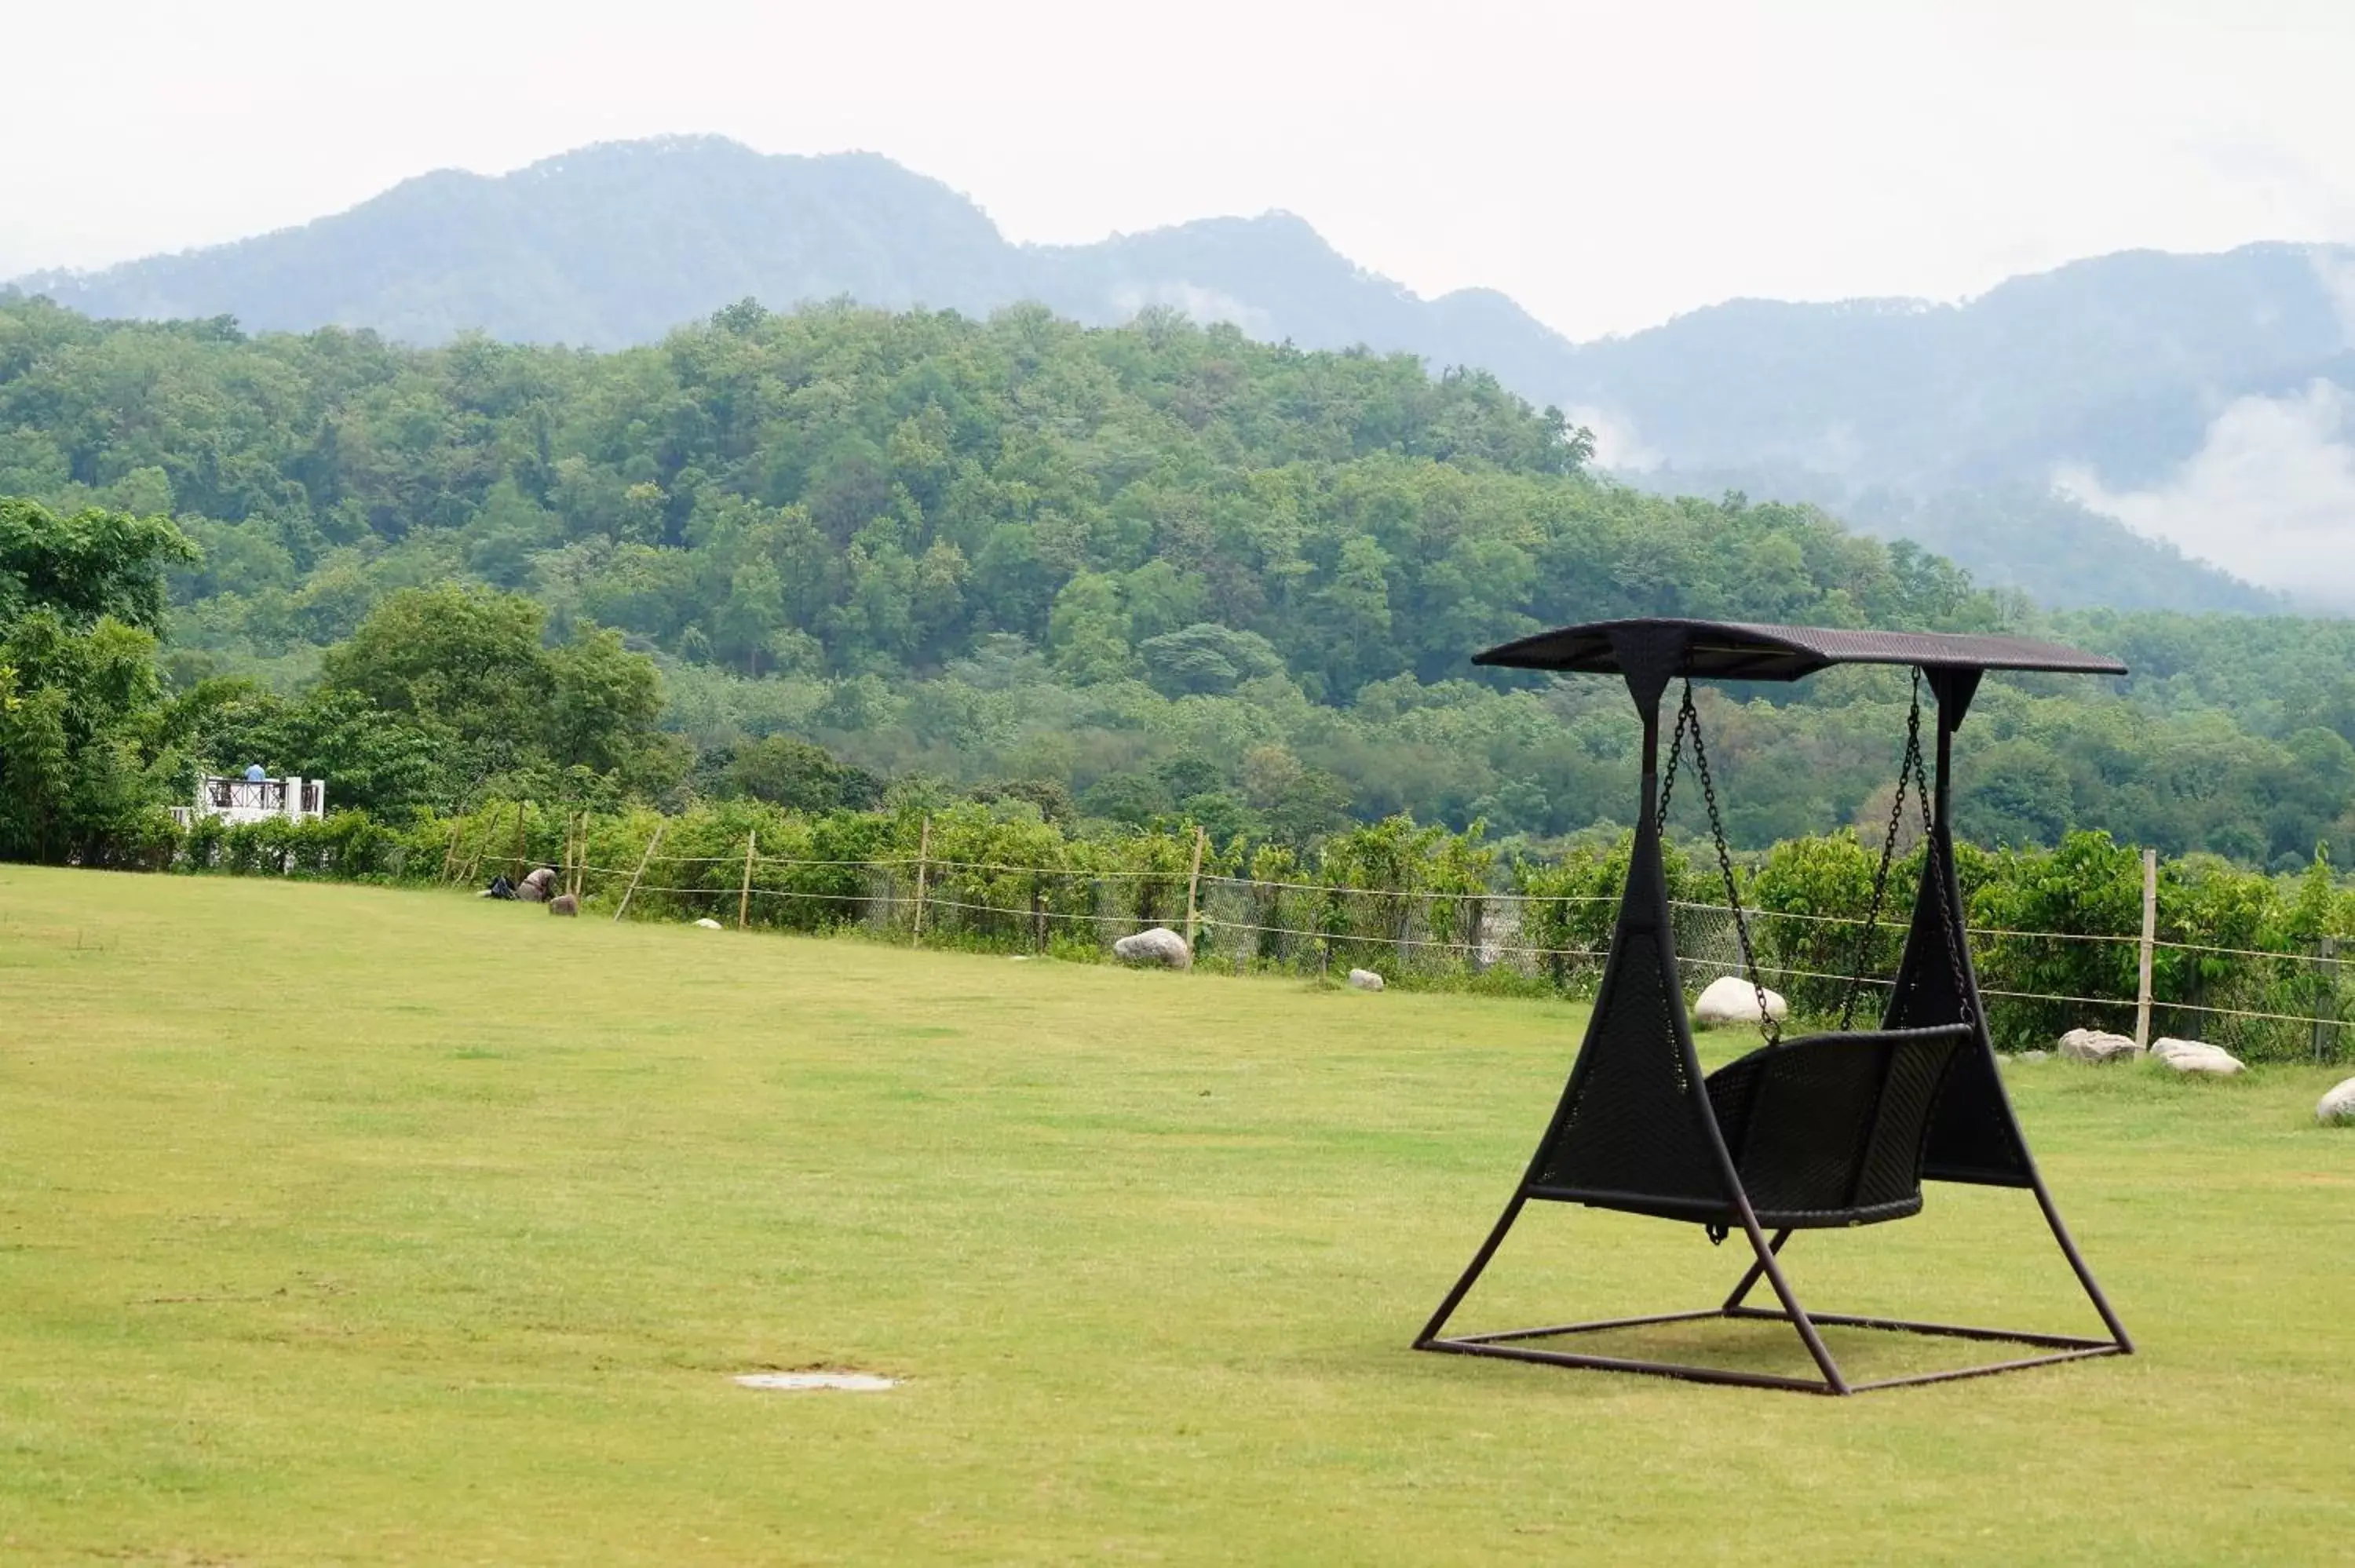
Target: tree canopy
(87, 738)
(1147, 570)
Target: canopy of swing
(1747, 650)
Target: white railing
(257, 799)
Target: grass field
(340, 1224)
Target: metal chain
(1910, 759)
(1687, 719)
(1932, 864)
(1668, 778)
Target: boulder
(1731, 999)
(2338, 1107)
(2098, 1046)
(1159, 946)
(709, 924)
(564, 904)
(2196, 1056)
(1365, 980)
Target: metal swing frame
(1973, 1137)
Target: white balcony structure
(250, 799)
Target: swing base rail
(1510, 1344)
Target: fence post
(490, 815)
(2325, 997)
(643, 862)
(1038, 918)
(450, 855)
(2149, 936)
(1193, 888)
(522, 809)
(924, 854)
(744, 894)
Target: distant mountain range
(2197, 396)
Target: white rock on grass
(2337, 1108)
(1159, 946)
(848, 1382)
(1365, 980)
(2196, 1056)
(2098, 1046)
(709, 924)
(1731, 999)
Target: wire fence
(2258, 1005)
(1421, 923)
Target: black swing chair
(1831, 1129)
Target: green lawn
(342, 1224)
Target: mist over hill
(2202, 399)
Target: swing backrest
(1831, 1129)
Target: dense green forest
(1113, 573)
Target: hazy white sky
(1608, 165)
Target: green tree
(83, 758)
(469, 668)
(785, 771)
(92, 564)
(86, 762)
(457, 658)
(605, 702)
(35, 774)
(1089, 629)
(1206, 659)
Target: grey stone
(1158, 946)
(2098, 1046)
(2337, 1108)
(1731, 999)
(564, 904)
(1365, 980)
(2035, 1056)
(709, 924)
(2196, 1056)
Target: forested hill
(614, 245)
(1119, 572)
(2114, 366)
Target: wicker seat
(1831, 1129)
(1825, 1130)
